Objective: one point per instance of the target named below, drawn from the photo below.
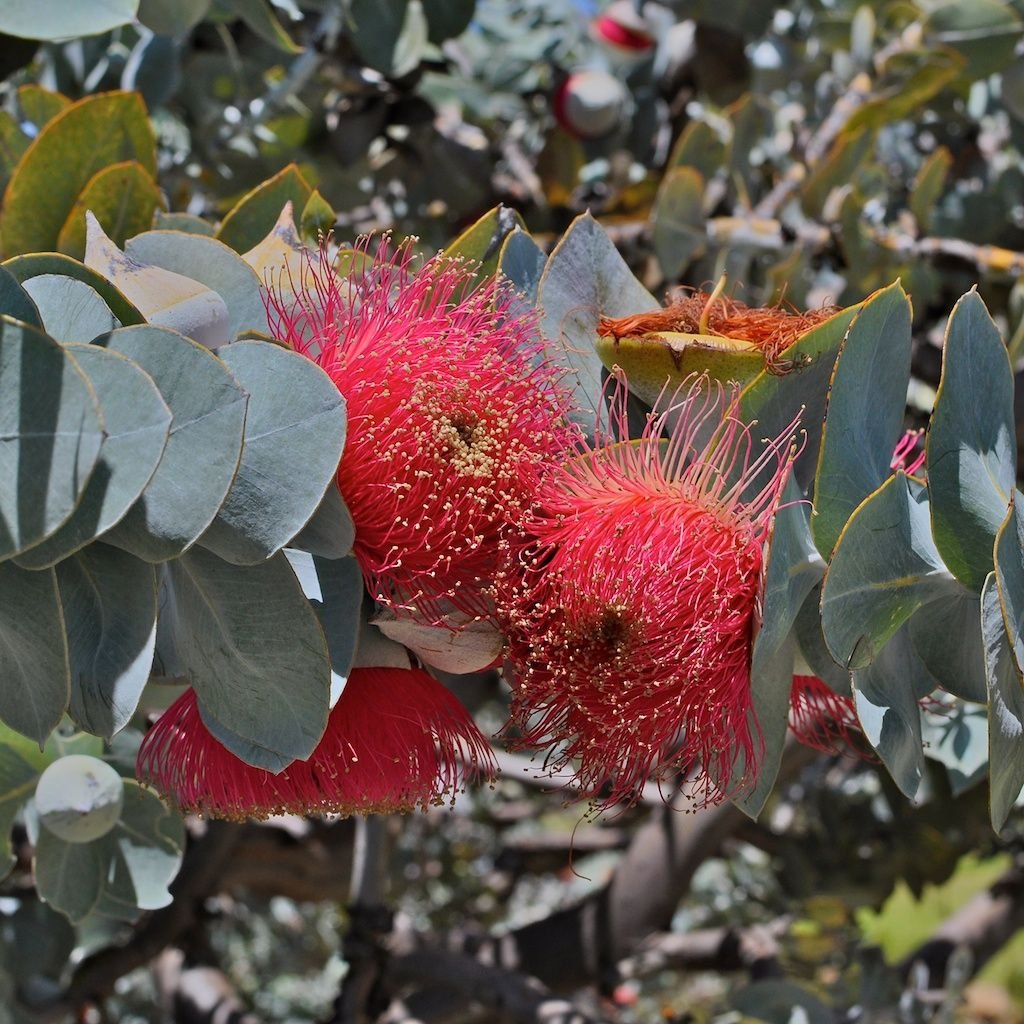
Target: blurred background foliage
(813, 150)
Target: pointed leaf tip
(165, 298)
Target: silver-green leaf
(203, 449)
(51, 430)
(294, 435)
(254, 650)
(138, 423)
(110, 610)
(33, 652)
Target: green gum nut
(659, 363)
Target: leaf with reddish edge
(482, 242)
(37, 264)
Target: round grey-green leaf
(110, 610)
(203, 449)
(71, 310)
(254, 650)
(120, 874)
(51, 430)
(334, 588)
(137, 423)
(209, 262)
(33, 652)
(330, 531)
(294, 435)
(79, 798)
(15, 302)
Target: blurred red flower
(823, 719)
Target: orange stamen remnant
(771, 328)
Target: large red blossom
(629, 606)
(452, 416)
(396, 739)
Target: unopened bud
(590, 104)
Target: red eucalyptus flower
(396, 739)
(907, 456)
(452, 416)
(821, 718)
(630, 605)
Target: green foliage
(167, 511)
(235, 648)
(890, 715)
(51, 432)
(136, 424)
(482, 243)
(26, 268)
(884, 568)
(123, 196)
(678, 235)
(86, 139)
(167, 444)
(794, 568)
(774, 400)
(109, 602)
(289, 455)
(1006, 707)
(62, 19)
(74, 311)
(15, 302)
(585, 278)
(948, 639)
(211, 263)
(203, 448)
(864, 418)
(120, 874)
(972, 443)
(252, 217)
(79, 798)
